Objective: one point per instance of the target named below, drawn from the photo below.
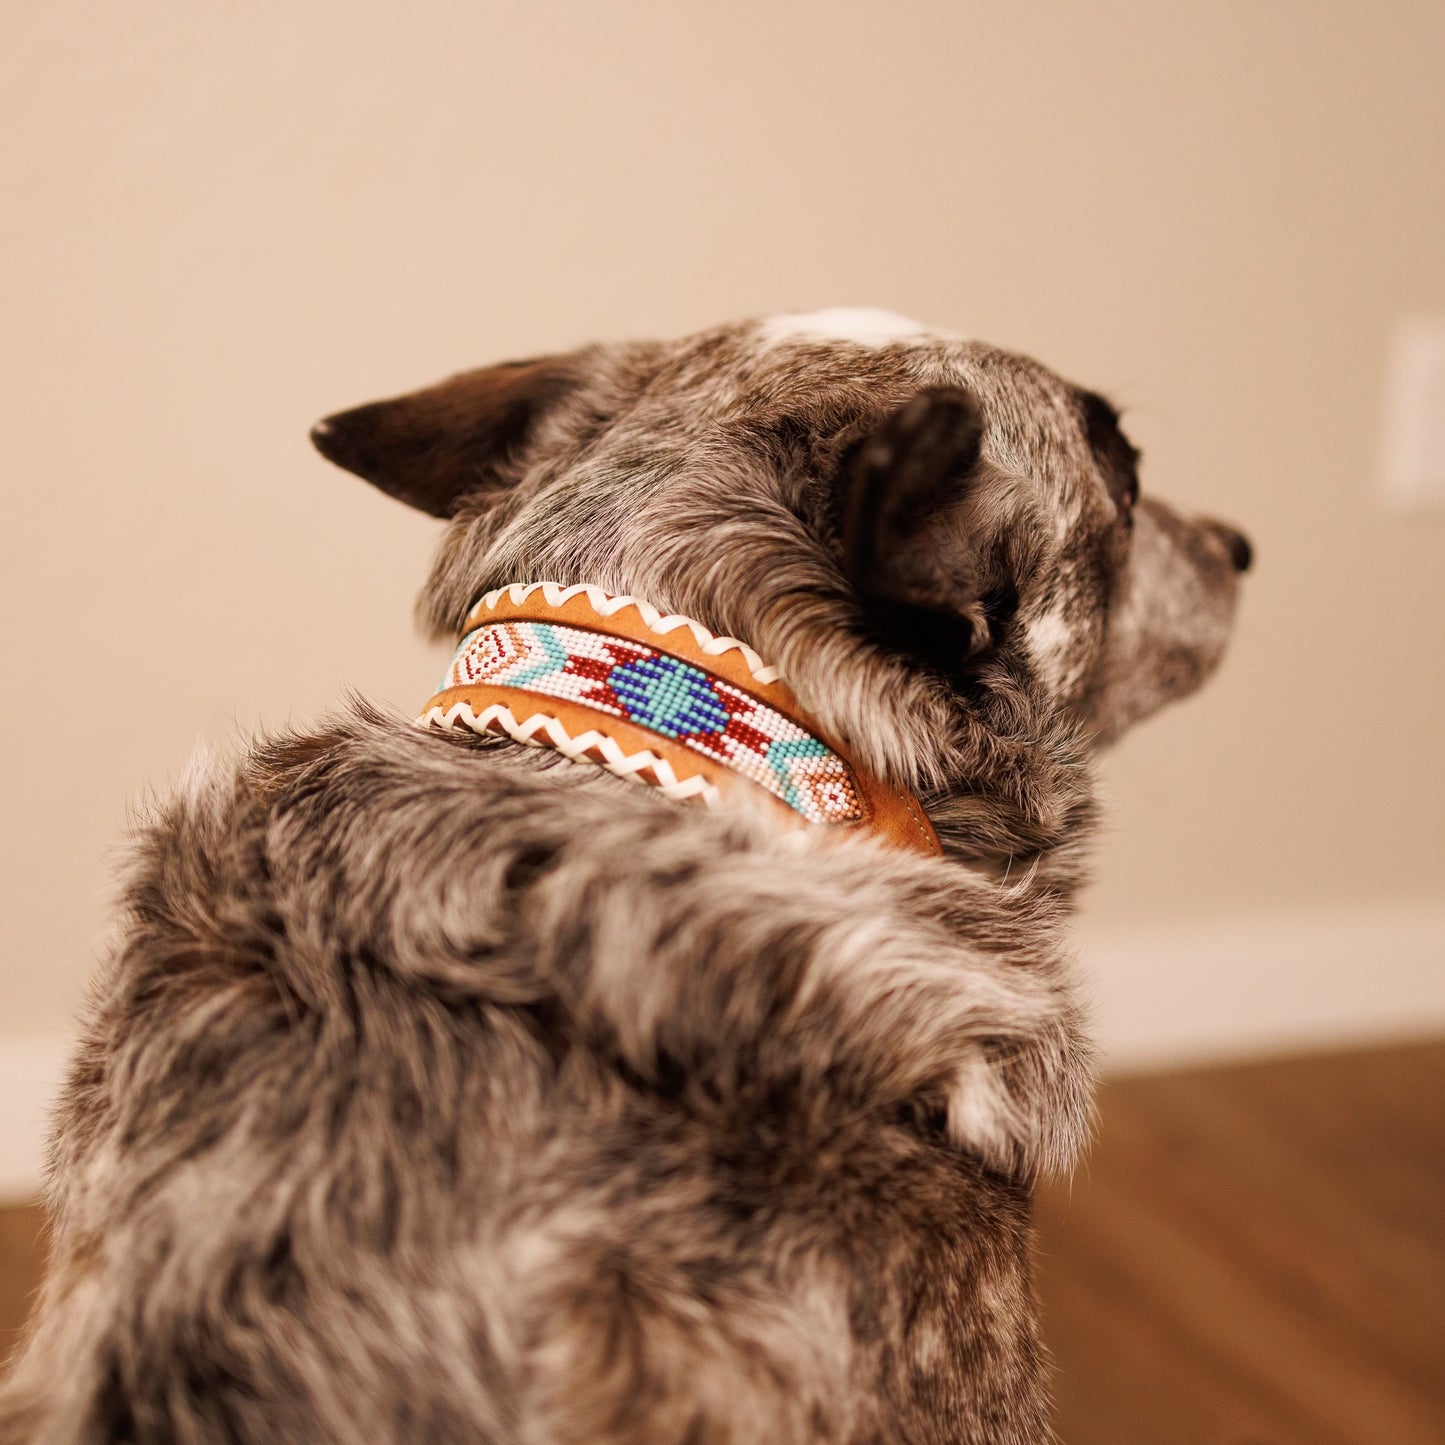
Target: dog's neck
(611, 682)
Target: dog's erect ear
(903, 493)
(435, 447)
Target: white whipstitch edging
(604, 606)
(625, 765)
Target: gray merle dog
(441, 1088)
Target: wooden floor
(1252, 1256)
(1256, 1254)
(22, 1258)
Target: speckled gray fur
(439, 1089)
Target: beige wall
(224, 221)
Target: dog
(446, 1088)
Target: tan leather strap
(589, 674)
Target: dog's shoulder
(330, 884)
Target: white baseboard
(1212, 992)
(1169, 997)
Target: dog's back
(435, 1095)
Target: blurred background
(226, 221)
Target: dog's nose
(1240, 552)
(1237, 545)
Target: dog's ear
(904, 493)
(436, 447)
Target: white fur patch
(201, 776)
(866, 326)
(1049, 641)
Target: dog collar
(658, 699)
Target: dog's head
(942, 545)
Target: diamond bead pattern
(666, 695)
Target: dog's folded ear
(905, 494)
(436, 447)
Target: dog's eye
(1124, 479)
(1118, 457)
(1127, 499)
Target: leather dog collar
(611, 681)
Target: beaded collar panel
(658, 699)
